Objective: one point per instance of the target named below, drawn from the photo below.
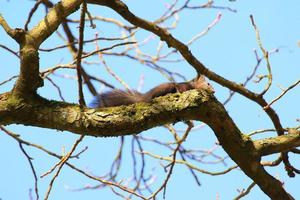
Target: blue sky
(227, 50)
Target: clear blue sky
(227, 49)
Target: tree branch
(53, 19)
(278, 144)
(115, 121)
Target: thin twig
(35, 7)
(88, 41)
(21, 142)
(11, 78)
(62, 162)
(204, 32)
(9, 50)
(172, 164)
(57, 87)
(32, 169)
(266, 56)
(282, 94)
(247, 191)
(109, 70)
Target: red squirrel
(120, 97)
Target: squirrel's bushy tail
(116, 98)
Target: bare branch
(9, 50)
(189, 165)
(266, 56)
(61, 164)
(79, 54)
(247, 191)
(282, 94)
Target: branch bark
(53, 19)
(114, 121)
(278, 144)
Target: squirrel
(119, 97)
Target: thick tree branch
(29, 79)
(104, 122)
(278, 144)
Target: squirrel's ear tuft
(200, 78)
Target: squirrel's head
(201, 83)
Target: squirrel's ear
(199, 77)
